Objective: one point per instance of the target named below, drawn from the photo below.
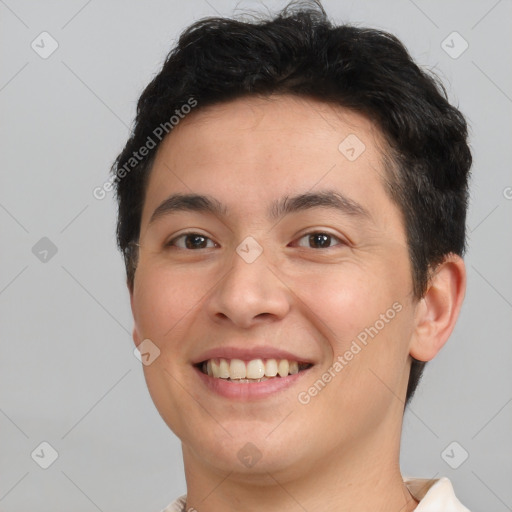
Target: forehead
(251, 151)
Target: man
(292, 210)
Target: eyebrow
(323, 199)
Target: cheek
(367, 322)
(346, 301)
(162, 299)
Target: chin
(247, 457)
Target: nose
(249, 293)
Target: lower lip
(249, 391)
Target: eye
(319, 240)
(191, 241)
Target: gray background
(68, 375)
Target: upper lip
(248, 354)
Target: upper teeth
(254, 369)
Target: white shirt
(434, 495)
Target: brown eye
(319, 240)
(191, 241)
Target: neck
(361, 478)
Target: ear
(135, 333)
(437, 311)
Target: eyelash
(171, 243)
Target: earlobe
(438, 310)
(135, 334)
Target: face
(295, 262)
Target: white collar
(434, 495)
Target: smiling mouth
(255, 370)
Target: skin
(341, 450)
